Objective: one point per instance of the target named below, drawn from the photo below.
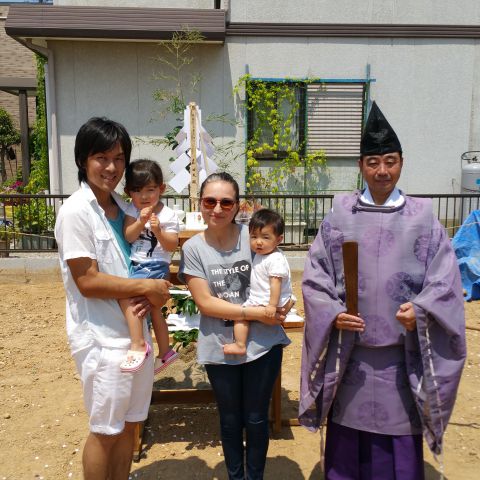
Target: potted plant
(35, 220)
(6, 235)
(183, 317)
(185, 337)
(9, 136)
(246, 209)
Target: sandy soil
(43, 425)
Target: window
(327, 116)
(295, 127)
(334, 118)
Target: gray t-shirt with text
(228, 276)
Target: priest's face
(381, 173)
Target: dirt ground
(43, 424)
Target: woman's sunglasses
(225, 203)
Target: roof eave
(77, 23)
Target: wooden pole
(23, 108)
(193, 158)
(350, 269)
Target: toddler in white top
(270, 283)
(152, 229)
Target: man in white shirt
(94, 264)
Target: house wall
(465, 12)
(427, 88)
(118, 81)
(418, 86)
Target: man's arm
(95, 284)
(406, 316)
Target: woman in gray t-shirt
(216, 266)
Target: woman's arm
(275, 291)
(221, 309)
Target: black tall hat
(378, 136)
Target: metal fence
(27, 221)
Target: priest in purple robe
(385, 377)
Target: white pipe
(54, 165)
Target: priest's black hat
(378, 136)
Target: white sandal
(135, 360)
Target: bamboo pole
(193, 158)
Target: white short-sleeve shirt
(147, 248)
(82, 230)
(263, 267)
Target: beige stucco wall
(446, 12)
(117, 80)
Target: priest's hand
(344, 321)
(406, 316)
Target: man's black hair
(99, 134)
(265, 217)
(362, 157)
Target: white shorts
(112, 397)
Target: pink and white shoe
(135, 360)
(165, 361)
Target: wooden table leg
(138, 437)
(277, 404)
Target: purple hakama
(383, 387)
(356, 455)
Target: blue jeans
(243, 395)
(150, 269)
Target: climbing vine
(273, 134)
(38, 178)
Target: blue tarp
(466, 244)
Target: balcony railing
(27, 221)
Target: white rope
(464, 225)
(337, 363)
(438, 399)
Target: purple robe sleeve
(440, 316)
(322, 304)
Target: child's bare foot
(234, 349)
